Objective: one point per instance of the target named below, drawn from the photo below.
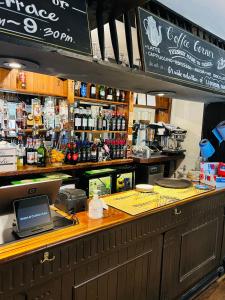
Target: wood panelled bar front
(161, 254)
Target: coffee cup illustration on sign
(154, 34)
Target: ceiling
(74, 66)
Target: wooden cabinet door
(131, 273)
(190, 252)
(51, 290)
(223, 243)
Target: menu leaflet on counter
(179, 55)
(57, 23)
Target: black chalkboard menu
(56, 23)
(174, 53)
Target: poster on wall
(54, 23)
(175, 54)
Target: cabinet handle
(177, 212)
(46, 258)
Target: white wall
(189, 115)
(121, 40)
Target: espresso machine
(174, 137)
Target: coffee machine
(174, 137)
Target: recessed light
(13, 65)
(162, 93)
(18, 63)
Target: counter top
(158, 158)
(111, 218)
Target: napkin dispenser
(71, 201)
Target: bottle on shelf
(93, 91)
(83, 89)
(118, 122)
(68, 154)
(74, 154)
(122, 96)
(109, 94)
(77, 119)
(104, 123)
(41, 155)
(30, 159)
(123, 123)
(100, 120)
(94, 156)
(113, 122)
(117, 95)
(102, 92)
(77, 85)
(84, 119)
(90, 120)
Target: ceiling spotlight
(13, 65)
(162, 93)
(18, 63)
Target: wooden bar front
(160, 254)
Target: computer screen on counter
(10, 193)
(33, 214)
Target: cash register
(25, 210)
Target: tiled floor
(215, 292)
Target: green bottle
(41, 155)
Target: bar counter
(164, 253)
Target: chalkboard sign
(57, 23)
(179, 55)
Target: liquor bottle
(102, 92)
(88, 152)
(93, 91)
(118, 149)
(117, 95)
(77, 119)
(94, 156)
(90, 120)
(74, 154)
(84, 119)
(35, 147)
(77, 88)
(99, 152)
(118, 122)
(123, 123)
(100, 121)
(41, 155)
(113, 122)
(30, 152)
(83, 89)
(68, 154)
(104, 123)
(20, 153)
(122, 96)
(109, 94)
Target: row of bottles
(39, 151)
(104, 120)
(99, 92)
(96, 151)
(34, 153)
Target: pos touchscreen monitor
(10, 193)
(32, 215)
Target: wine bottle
(77, 119)
(93, 91)
(122, 96)
(41, 155)
(102, 92)
(117, 95)
(109, 94)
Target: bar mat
(134, 202)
